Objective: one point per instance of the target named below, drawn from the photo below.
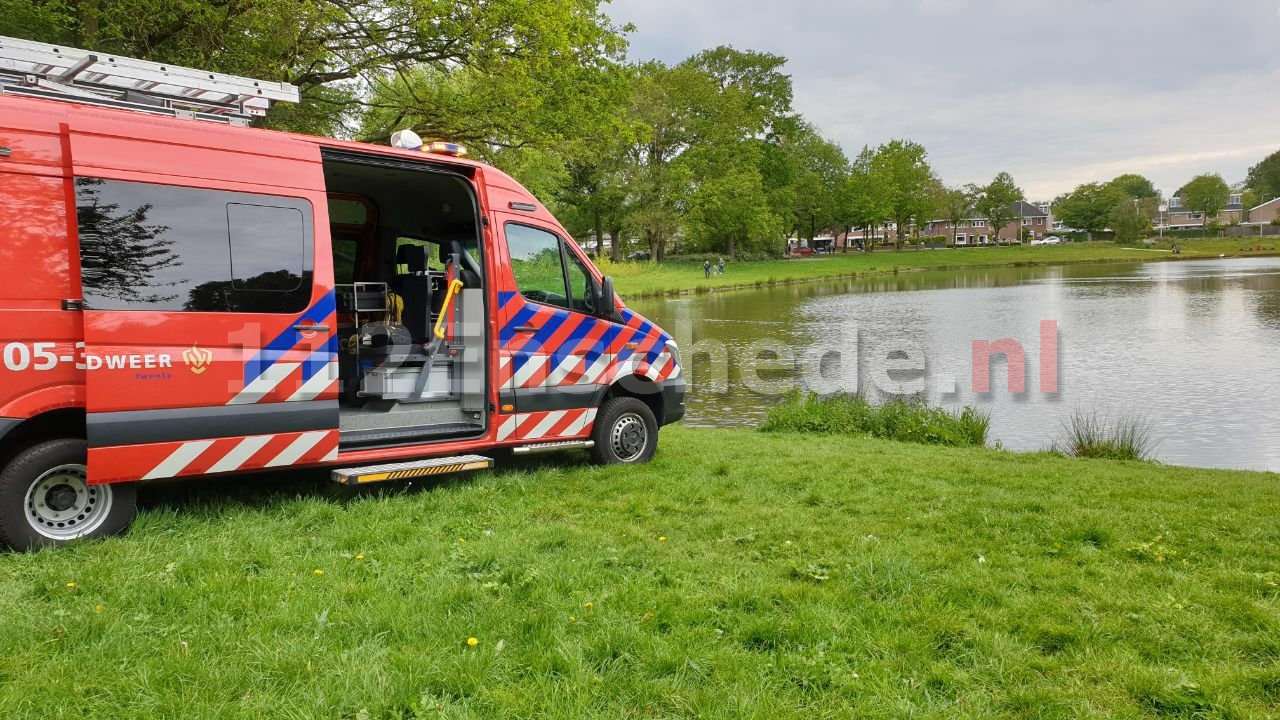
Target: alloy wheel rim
(62, 505)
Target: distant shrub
(905, 420)
(1089, 434)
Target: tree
(1134, 186)
(1205, 194)
(1264, 178)
(956, 206)
(807, 174)
(995, 202)
(336, 50)
(1129, 221)
(1089, 206)
(120, 250)
(866, 200)
(906, 180)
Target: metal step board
(417, 468)
(72, 74)
(554, 446)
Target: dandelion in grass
(588, 605)
(317, 572)
(573, 619)
(662, 538)
(359, 557)
(472, 642)
(99, 608)
(71, 586)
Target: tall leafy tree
(1129, 220)
(662, 104)
(995, 202)
(337, 50)
(1089, 206)
(899, 166)
(1205, 194)
(810, 174)
(866, 199)
(956, 205)
(1264, 178)
(1134, 186)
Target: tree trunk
(89, 38)
(615, 243)
(599, 234)
(728, 246)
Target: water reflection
(1191, 345)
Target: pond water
(1190, 347)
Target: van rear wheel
(625, 432)
(45, 498)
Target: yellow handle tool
(454, 287)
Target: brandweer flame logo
(197, 360)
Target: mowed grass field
(741, 574)
(642, 279)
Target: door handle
(526, 329)
(311, 328)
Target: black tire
(44, 499)
(625, 432)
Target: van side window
(158, 247)
(582, 296)
(537, 265)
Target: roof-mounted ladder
(64, 73)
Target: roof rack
(75, 75)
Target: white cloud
(1056, 93)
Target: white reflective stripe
(621, 369)
(320, 382)
(331, 455)
(241, 453)
(507, 428)
(264, 384)
(574, 427)
(530, 368)
(298, 448)
(178, 459)
(504, 360)
(588, 417)
(593, 373)
(675, 372)
(547, 423)
(562, 371)
(656, 368)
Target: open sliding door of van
(209, 317)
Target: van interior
(408, 266)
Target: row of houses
(1032, 221)
(1035, 221)
(1177, 217)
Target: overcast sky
(1056, 92)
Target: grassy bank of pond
(647, 279)
(741, 574)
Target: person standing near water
(721, 264)
(706, 268)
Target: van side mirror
(605, 306)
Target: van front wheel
(45, 498)
(625, 432)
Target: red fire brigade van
(184, 295)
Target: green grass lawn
(649, 279)
(741, 574)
